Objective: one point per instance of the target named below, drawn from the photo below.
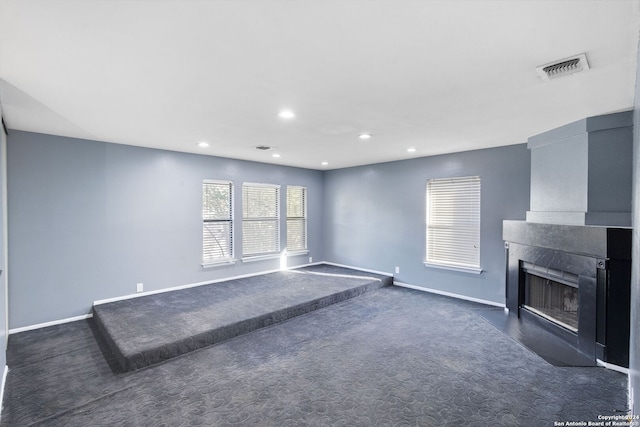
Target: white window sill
(260, 257)
(470, 270)
(218, 263)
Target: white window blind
(260, 219)
(453, 222)
(296, 218)
(217, 221)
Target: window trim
(454, 266)
(304, 218)
(230, 259)
(276, 220)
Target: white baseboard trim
(193, 285)
(180, 287)
(4, 381)
(307, 265)
(613, 367)
(449, 294)
(177, 288)
(52, 323)
(366, 270)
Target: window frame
(230, 220)
(462, 229)
(275, 252)
(305, 247)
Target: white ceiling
(440, 76)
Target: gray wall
(3, 240)
(375, 216)
(88, 220)
(634, 355)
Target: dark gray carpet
(151, 329)
(392, 357)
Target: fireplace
(569, 263)
(573, 281)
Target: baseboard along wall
(209, 282)
(449, 294)
(193, 285)
(52, 323)
(142, 294)
(384, 273)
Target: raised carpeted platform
(151, 329)
(393, 357)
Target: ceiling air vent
(263, 147)
(564, 67)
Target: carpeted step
(151, 329)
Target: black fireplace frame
(601, 258)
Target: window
(453, 223)
(296, 219)
(217, 222)
(260, 219)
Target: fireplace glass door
(554, 300)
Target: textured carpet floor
(392, 357)
(151, 329)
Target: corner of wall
(634, 345)
(2, 387)
(4, 336)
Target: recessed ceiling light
(286, 114)
(411, 150)
(324, 163)
(276, 155)
(364, 136)
(203, 144)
